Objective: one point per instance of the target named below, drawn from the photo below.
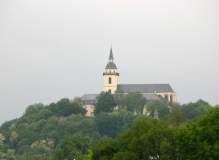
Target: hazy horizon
(59, 49)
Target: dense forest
(61, 131)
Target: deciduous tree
(105, 103)
(199, 139)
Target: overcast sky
(55, 49)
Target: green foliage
(37, 134)
(2, 138)
(199, 139)
(105, 103)
(192, 110)
(116, 122)
(147, 139)
(89, 155)
(78, 100)
(34, 108)
(161, 107)
(73, 108)
(119, 97)
(134, 102)
(72, 146)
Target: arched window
(110, 91)
(110, 80)
(171, 98)
(166, 97)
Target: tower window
(110, 80)
(110, 91)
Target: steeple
(111, 55)
(110, 76)
(156, 114)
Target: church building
(151, 92)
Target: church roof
(145, 88)
(151, 97)
(111, 65)
(92, 98)
(89, 96)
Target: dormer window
(91, 102)
(85, 102)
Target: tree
(54, 109)
(72, 146)
(2, 138)
(134, 101)
(34, 108)
(78, 100)
(147, 139)
(88, 156)
(119, 97)
(73, 108)
(161, 107)
(199, 139)
(192, 110)
(61, 104)
(108, 124)
(43, 114)
(47, 144)
(13, 138)
(105, 103)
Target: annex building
(151, 92)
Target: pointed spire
(111, 55)
(156, 114)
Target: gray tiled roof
(111, 65)
(92, 98)
(151, 97)
(89, 98)
(145, 88)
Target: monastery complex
(151, 92)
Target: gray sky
(55, 49)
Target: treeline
(61, 131)
(170, 138)
(37, 133)
(136, 103)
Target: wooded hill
(44, 131)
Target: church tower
(110, 77)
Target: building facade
(151, 92)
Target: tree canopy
(199, 139)
(105, 103)
(161, 107)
